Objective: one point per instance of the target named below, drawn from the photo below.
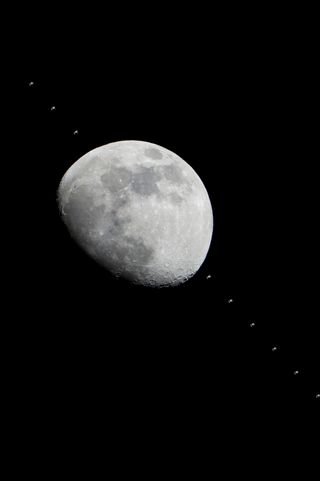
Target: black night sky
(239, 110)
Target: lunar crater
(175, 198)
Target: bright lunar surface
(139, 210)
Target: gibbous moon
(138, 210)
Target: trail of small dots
(208, 277)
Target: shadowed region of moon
(82, 212)
(139, 210)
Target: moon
(139, 210)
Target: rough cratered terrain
(139, 210)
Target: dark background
(239, 106)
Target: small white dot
(230, 301)
(208, 276)
(295, 373)
(53, 108)
(317, 396)
(252, 324)
(274, 348)
(75, 132)
(31, 84)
